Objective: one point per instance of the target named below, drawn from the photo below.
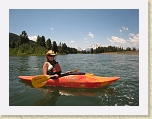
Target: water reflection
(52, 94)
(49, 99)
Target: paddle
(41, 80)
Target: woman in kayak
(51, 67)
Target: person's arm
(44, 69)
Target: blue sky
(79, 27)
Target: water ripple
(124, 92)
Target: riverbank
(123, 52)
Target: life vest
(51, 69)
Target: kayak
(76, 81)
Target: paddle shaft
(41, 80)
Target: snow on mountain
(78, 48)
(94, 46)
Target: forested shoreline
(21, 45)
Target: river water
(123, 92)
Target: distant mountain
(78, 48)
(14, 37)
(94, 46)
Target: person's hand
(56, 75)
(68, 72)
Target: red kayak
(76, 81)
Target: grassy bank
(43, 54)
(123, 52)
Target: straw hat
(50, 52)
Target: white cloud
(120, 30)
(91, 35)
(72, 41)
(134, 39)
(125, 29)
(52, 29)
(115, 39)
(32, 38)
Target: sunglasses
(51, 55)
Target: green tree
(48, 44)
(64, 48)
(91, 50)
(54, 47)
(43, 41)
(60, 48)
(22, 49)
(12, 44)
(134, 49)
(23, 38)
(128, 49)
(40, 41)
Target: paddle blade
(76, 70)
(39, 81)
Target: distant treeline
(108, 49)
(21, 45)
